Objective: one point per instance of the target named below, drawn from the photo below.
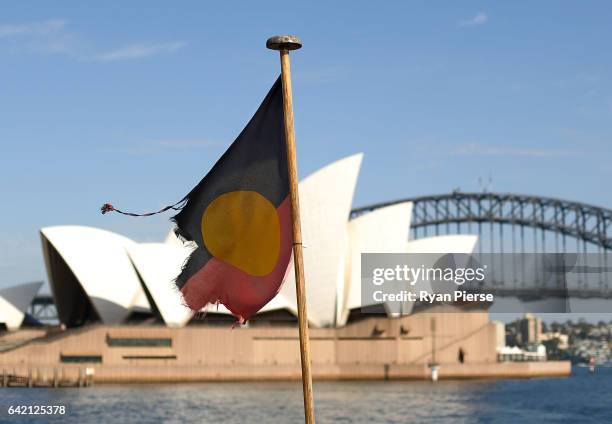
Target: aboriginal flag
(239, 217)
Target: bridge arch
(588, 223)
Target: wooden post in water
(433, 341)
(434, 365)
(284, 44)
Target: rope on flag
(107, 207)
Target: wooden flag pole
(285, 43)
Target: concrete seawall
(331, 372)
(177, 374)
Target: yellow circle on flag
(242, 228)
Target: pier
(47, 377)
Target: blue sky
(132, 102)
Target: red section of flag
(241, 293)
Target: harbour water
(580, 398)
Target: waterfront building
(123, 319)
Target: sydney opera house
(122, 314)
(99, 276)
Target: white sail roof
(99, 261)
(14, 303)
(383, 230)
(325, 204)
(158, 264)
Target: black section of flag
(255, 161)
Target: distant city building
(563, 339)
(533, 353)
(530, 328)
(500, 334)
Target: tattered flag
(239, 217)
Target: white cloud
(52, 37)
(476, 149)
(48, 37)
(139, 51)
(480, 18)
(32, 29)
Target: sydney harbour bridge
(518, 224)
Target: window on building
(80, 358)
(158, 357)
(138, 341)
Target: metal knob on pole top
(284, 42)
